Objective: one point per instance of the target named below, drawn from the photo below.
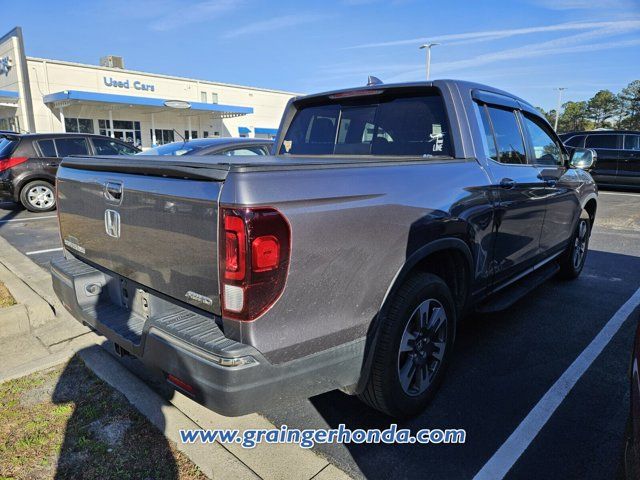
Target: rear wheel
(413, 347)
(38, 196)
(573, 259)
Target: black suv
(618, 162)
(28, 163)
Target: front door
(629, 161)
(606, 146)
(561, 183)
(519, 195)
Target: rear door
(520, 194)
(607, 146)
(629, 161)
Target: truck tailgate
(158, 231)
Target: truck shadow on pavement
(502, 365)
(106, 437)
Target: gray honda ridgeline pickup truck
(343, 261)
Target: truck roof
(443, 84)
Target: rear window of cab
(395, 124)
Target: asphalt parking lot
(504, 365)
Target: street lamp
(428, 47)
(560, 89)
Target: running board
(514, 292)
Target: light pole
(560, 89)
(428, 47)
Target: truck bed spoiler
(154, 165)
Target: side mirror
(583, 158)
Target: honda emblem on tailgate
(112, 223)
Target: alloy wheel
(41, 197)
(422, 347)
(580, 244)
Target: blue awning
(244, 130)
(224, 111)
(266, 131)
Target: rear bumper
(227, 376)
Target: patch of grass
(67, 434)
(6, 299)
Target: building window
(162, 136)
(214, 97)
(205, 134)
(78, 125)
(11, 123)
(203, 97)
(125, 130)
(194, 134)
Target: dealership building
(42, 95)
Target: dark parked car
(345, 260)
(214, 146)
(29, 162)
(618, 162)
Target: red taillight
(254, 255)
(265, 253)
(235, 248)
(8, 163)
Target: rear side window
(394, 125)
(577, 141)
(111, 147)
(6, 147)
(47, 148)
(71, 146)
(602, 141)
(244, 151)
(508, 138)
(632, 142)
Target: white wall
(51, 76)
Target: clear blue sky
(526, 47)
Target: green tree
(574, 116)
(601, 107)
(629, 99)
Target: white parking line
(28, 218)
(620, 193)
(507, 455)
(48, 250)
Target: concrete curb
(14, 320)
(29, 284)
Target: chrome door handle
(507, 183)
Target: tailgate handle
(113, 191)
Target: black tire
(384, 390)
(38, 196)
(570, 267)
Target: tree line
(604, 110)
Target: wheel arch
(430, 258)
(23, 180)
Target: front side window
(632, 142)
(383, 124)
(47, 148)
(71, 146)
(546, 150)
(508, 136)
(103, 146)
(602, 141)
